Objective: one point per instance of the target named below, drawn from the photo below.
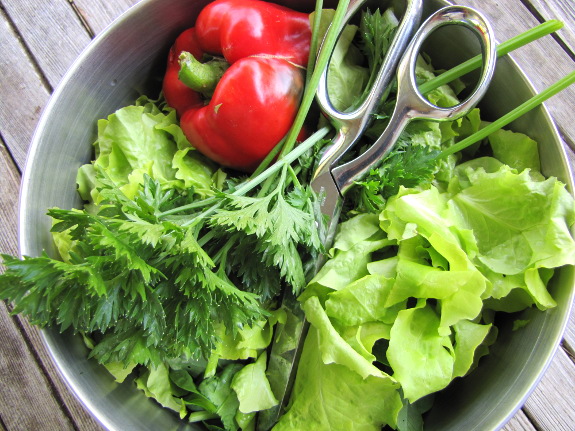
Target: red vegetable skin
(240, 28)
(256, 100)
(245, 118)
(178, 95)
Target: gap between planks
(26, 48)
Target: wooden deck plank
(9, 180)
(100, 13)
(26, 401)
(563, 10)
(552, 404)
(519, 422)
(52, 31)
(20, 109)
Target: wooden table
(38, 42)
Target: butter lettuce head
(403, 307)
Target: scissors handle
(351, 124)
(411, 104)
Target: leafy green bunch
(153, 270)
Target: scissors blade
(289, 337)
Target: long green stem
(314, 44)
(328, 45)
(198, 204)
(522, 109)
(287, 159)
(272, 170)
(502, 49)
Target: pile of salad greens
(173, 270)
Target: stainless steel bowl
(127, 60)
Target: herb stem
(314, 44)
(502, 49)
(272, 170)
(322, 61)
(285, 160)
(512, 115)
(293, 176)
(201, 416)
(193, 205)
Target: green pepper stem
(201, 77)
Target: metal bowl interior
(126, 60)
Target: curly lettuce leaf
(421, 358)
(519, 221)
(140, 140)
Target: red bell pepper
(255, 100)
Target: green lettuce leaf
(346, 78)
(156, 383)
(142, 139)
(218, 389)
(253, 388)
(333, 348)
(362, 301)
(331, 397)
(422, 359)
(516, 150)
(519, 222)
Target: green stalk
(522, 109)
(309, 92)
(288, 159)
(321, 63)
(201, 416)
(197, 204)
(314, 45)
(502, 49)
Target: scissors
(332, 180)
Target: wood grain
(22, 93)
(9, 180)
(563, 11)
(552, 404)
(26, 400)
(100, 13)
(52, 32)
(519, 422)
